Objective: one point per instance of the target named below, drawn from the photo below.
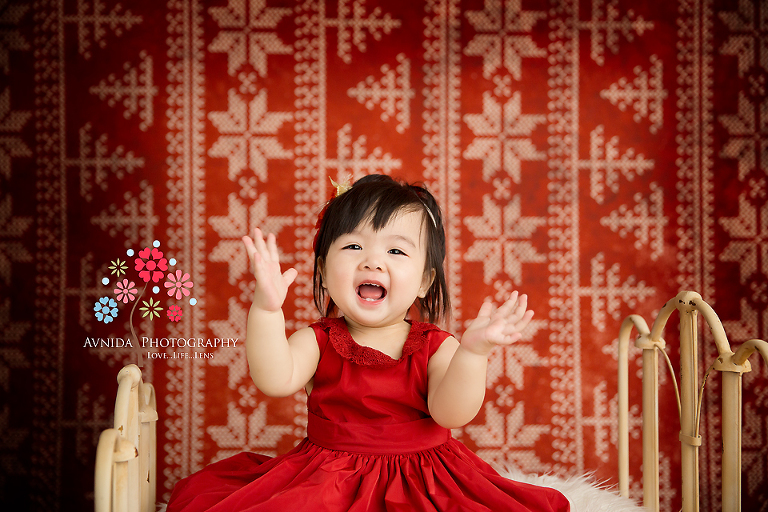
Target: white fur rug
(583, 492)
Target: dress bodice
(363, 399)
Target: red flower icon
(154, 267)
(174, 313)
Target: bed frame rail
(126, 454)
(689, 397)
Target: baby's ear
(426, 282)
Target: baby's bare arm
(457, 373)
(456, 384)
(279, 366)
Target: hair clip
(341, 187)
(431, 216)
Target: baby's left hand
(497, 326)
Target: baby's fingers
(522, 306)
(520, 324)
(511, 305)
(261, 245)
(250, 249)
(260, 270)
(272, 247)
(514, 298)
(289, 276)
(485, 310)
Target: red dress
(371, 446)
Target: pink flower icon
(154, 266)
(174, 313)
(125, 291)
(178, 285)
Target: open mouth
(371, 292)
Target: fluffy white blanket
(583, 492)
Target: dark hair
(377, 198)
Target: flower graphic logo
(106, 309)
(151, 265)
(174, 313)
(125, 291)
(118, 267)
(178, 285)
(151, 308)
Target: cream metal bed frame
(689, 397)
(125, 476)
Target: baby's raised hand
(271, 284)
(497, 326)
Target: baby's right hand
(271, 284)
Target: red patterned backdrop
(600, 155)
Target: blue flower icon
(106, 309)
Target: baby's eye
(353, 247)
(397, 252)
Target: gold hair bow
(341, 187)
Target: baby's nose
(373, 264)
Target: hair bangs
(382, 211)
